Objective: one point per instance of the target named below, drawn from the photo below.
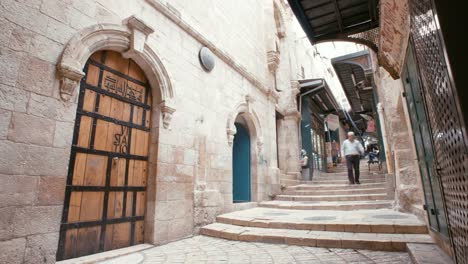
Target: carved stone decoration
(273, 58)
(139, 34)
(246, 110)
(259, 145)
(69, 80)
(279, 20)
(167, 112)
(231, 132)
(129, 38)
(249, 101)
(292, 114)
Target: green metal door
(241, 165)
(424, 148)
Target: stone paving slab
(122, 253)
(323, 205)
(372, 221)
(427, 254)
(202, 249)
(329, 239)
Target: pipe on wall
(388, 157)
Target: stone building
(112, 133)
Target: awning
(328, 20)
(355, 74)
(320, 94)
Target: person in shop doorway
(352, 150)
(305, 165)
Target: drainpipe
(380, 111)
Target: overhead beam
(338, 15)
(328, 20)
(316, 6)
(342, 9)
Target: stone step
(290, 183)
(312, 187)
(343, 191)
(349, 197)
(365, 221)
(427, 254)
(362, 170)
(337, 205)
(345, 181)
(345, 174)
(328, 239)
(345, 177)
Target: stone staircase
(331, 191)
(328, 212)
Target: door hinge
(425, 207)
(435, 211)
(403, 94)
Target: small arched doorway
(241, 164)
(105, 199)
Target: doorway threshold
(106, 255)
(244, 205)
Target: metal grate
(369, 38)
(445, 119)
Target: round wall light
(207, 59)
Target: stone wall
(401, 158)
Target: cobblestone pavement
(202, 249)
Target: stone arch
(128, 39)
(253, 122)
(245, 110)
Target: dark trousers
(352, 161)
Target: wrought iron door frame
(430, 169)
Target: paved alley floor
(202, 249)
(266, 216)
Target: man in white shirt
(352, 150)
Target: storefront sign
(333, 121)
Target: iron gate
(446, 121)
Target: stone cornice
(292, 114)
(224, 56)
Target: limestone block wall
(191, 177)
(403, 158)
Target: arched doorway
(105, 199)
(241, 187)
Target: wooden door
(105, 197)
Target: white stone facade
(43, 47)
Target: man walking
(352, 150)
